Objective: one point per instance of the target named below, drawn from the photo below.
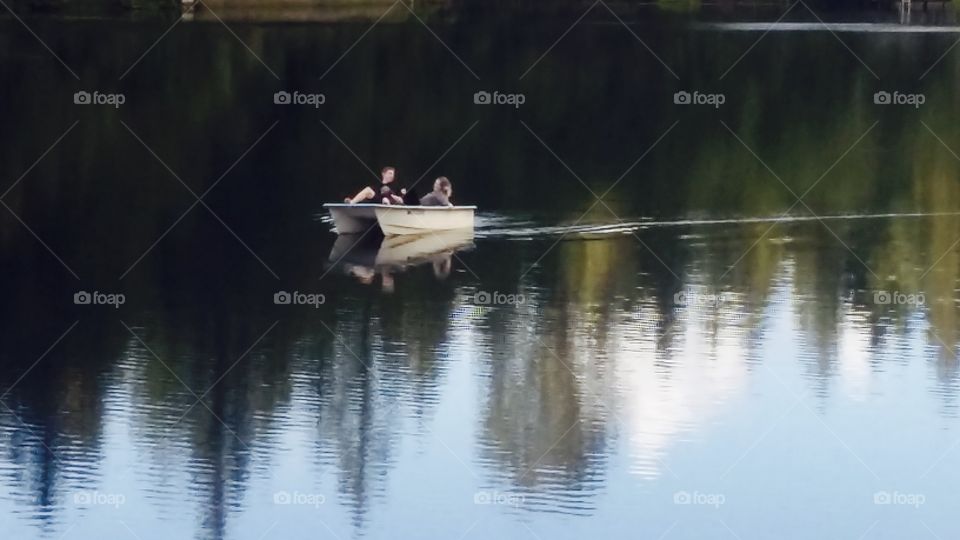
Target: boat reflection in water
(366, 258)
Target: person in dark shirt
(440, 196)
(384, 194)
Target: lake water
(751, 335)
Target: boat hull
(400, 220)
(397, 220)
(352, 218)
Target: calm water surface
(673, 362)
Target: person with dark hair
(383, 194)
(440, 196)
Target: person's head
(443, 185)
(387, 174)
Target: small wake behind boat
(399, 219)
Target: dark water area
(672, 320)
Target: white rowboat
(399, 219)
